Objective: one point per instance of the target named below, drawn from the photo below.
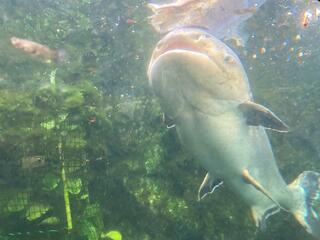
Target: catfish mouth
(193, 67)
(193, 41)
(189, 40)
(180, 44)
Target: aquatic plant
(85, 151)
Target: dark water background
(93, 149)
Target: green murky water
(84, 150)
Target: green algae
(124, 169)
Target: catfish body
(201, 83)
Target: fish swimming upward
(202, 85)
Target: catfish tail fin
(308, 183)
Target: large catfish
(202, 85)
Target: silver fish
(202, 85)
(31, 162)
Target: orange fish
(37, 50)
(306, 18)
(222, 18)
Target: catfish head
(190, 67)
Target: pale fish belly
(226, 146)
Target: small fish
(306, 18)
(31, 162)
(222, 18)
(317, 13)
(92, 120)
(38, 50)
(131, 21)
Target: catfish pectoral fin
(208, 186)
(259, 115)
(260, 216)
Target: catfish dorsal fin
(208, 186)
(259, 115)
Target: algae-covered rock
(50, 182)
(36, 210)
(112, 235)
(18, 202)
(74, 186)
